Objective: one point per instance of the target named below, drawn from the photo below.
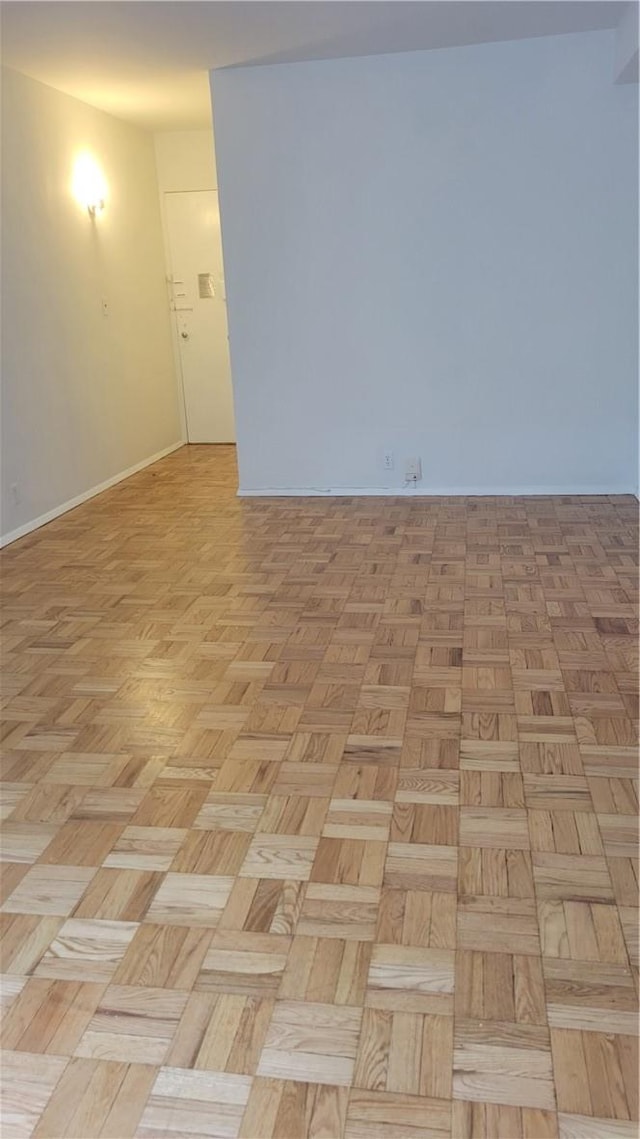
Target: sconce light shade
(89, 185)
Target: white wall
(84, 397)
(626, 54)
(185, 160)
(433, 253)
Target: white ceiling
(148, 62)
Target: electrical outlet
(388, 460)
(15, 493)
(413, 469)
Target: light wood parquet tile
(409, 978)
(11, 794)
(572, 878)
(417, 866)
(314, 1042)
(500, 1062)
(49, 890)
(565, 832)
(221, 1032)
(48, 804)
(357, 818)
(342, 911)
(132, 1025)
(83, 844)
(269, 905)
(595, 1073)
(583, 931)
(168, 956)
(417, 917)
(184, 1102)
(190, 899)
(85, 950)
(320, 816)
(27, 1082)
(588, 1127)
(230, 812)
(474, 1120)
(380, 1114)
(25, 842)
(489, 924)
(108, 805)
(495, 873)
(50, 1016)
(10, 989)
(118, 895)
(590, 996)
(349, 862)
(501, 827)
(405, 1052)
(96, 1098)
(280, 856)
(624, 880)
(247, 963)
(327, 971)
(287, 1107)
(135, 848)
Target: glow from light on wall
(89, 185)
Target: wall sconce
(89, 185)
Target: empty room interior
(319, 569)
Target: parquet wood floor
(320, 816)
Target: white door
(199, 304)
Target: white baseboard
(36, 523)
(319, 492)
(429, 492)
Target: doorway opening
(198, 301)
